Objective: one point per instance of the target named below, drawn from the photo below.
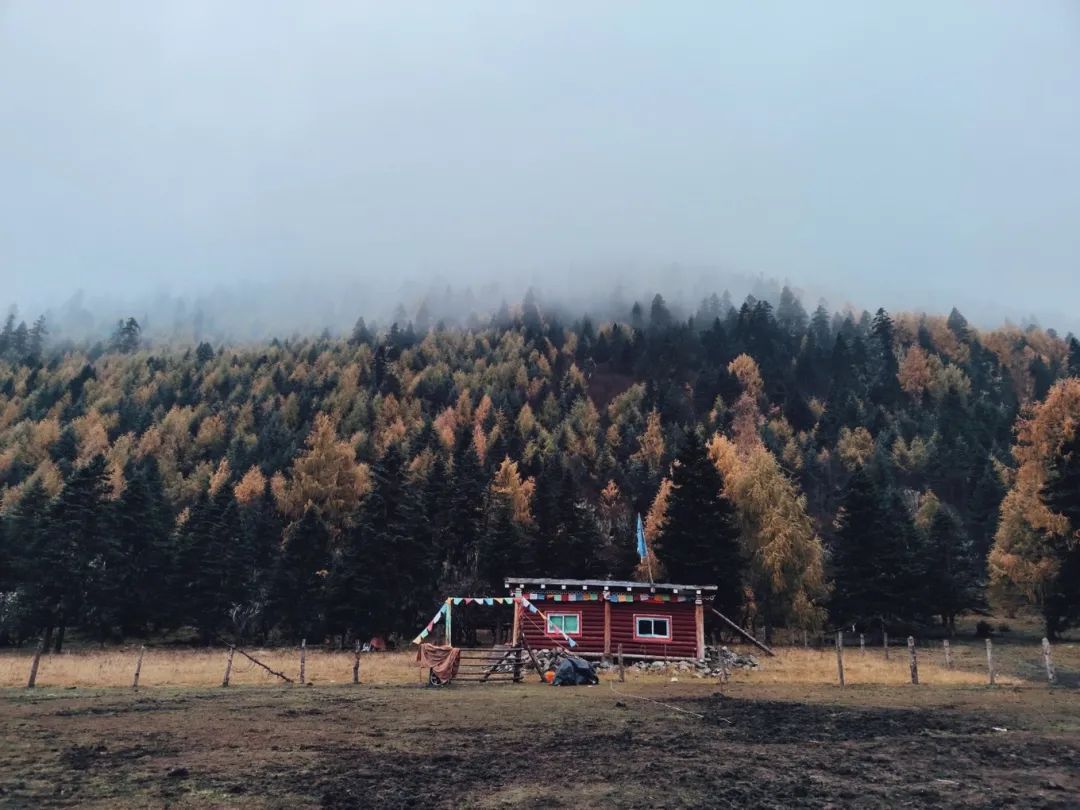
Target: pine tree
(874, 556)
(297, 595)
(141, 553)
(25, 610)
(70, 579)
(208, 576)
(1061, 494)
(699, 543)
(952, 581)
(398, 532)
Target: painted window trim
(660, 639)
(548, 631)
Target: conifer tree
(1061, 493)
(207, 576)
(297, 596)
(69, 577)
(25, 610)
(699, 543)
(873, 556)
(140, 561)
(951, 581)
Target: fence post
(885, 641)
(862, 644)
(138, 667)
(805, 642)
(914, 660)
(303, 656)
(840, 655)
(32, 680)
(948, 654)
(228, 667)
(990, 660)
(356, 664)
(1049, 661)
(622, 669)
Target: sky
(911, 155)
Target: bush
(1004, 628)
(983, 629)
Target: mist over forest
(237, 313)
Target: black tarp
(574, 671)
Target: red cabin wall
(592, 625)
(683, 642)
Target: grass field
(780, 736)
(1016, 663)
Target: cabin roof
(600, 584)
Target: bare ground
(760, 745)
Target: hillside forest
(823, 468)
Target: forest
(823, 468)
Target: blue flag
(642, 549)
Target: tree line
(821, 468)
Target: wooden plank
(622, 667)
(228, 667)
(607, 628)
(356, 664)
(840, 655)
(699, 627)
(535, 662)
(990, 661)
(743, 633)
(1048, 660)
(31, 681)
(138, 667)
(948, 654)
(303, 658)
(488, 672)
(913, 661)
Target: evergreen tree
(952, 582)
(875, 559)
(208, 579)
(297, 596)
(700, 540)
(70, 579)
(140, 559)
(25, 610)
(1061, 493)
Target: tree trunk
(59, 645)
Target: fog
(296, 165)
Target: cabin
(652, 621)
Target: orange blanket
(443, 661)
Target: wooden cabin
(652, 621)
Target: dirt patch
(485, 747)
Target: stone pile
(717, 660)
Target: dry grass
(799, 666)
(1016, 664)
(172, 667)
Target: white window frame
(553, 630)
(638, 636)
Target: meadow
(784, 734)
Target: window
(569, 623)
(652, 627)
